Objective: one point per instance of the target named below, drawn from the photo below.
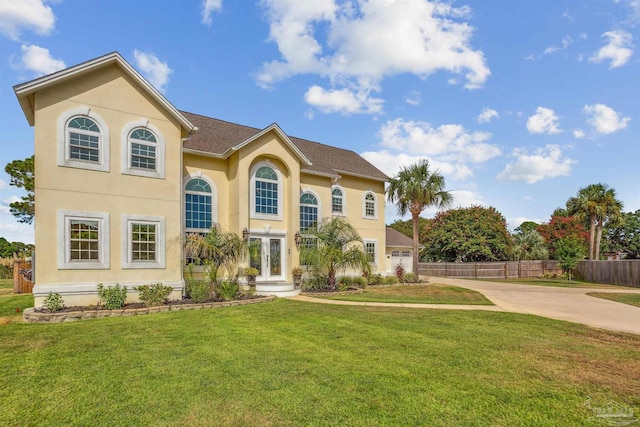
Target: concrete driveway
(571, 304)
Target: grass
(290, 363)
(6, 286)
(12, 305)
(631, 299)
(428, 294)
(560, 283)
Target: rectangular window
(308, 217)
(370, 208)
(84, 147)
(143, 242)
(198, 211)
(84, 240)
(266, 197)
(336, 204)
(143, 156)
(370, 250)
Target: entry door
(266, 253)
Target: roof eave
(374, 178)
(324, 174)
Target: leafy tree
(21, 175)
(468, 234)
(7, 249)
(559, 227)
(595, 203)
(414, 189)
(529, 245)
(336, 247)
(217, 249)
(625, 236)
(526, 226)
(569, 251)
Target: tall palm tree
(529, 245)
(595, 203)
(414, 189)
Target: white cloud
(578, 133)
(487, 114)
(634, 14)
(38, 60)
(546, 162)
(467, 198)
(19, 15)
(618, 50)
(156, 71)
(343, 100)
(553, 48)
(390, 163)
(3, 184)
(414, 98)
(358, 44)
(605, 119)
(208, 7)
(513, 223)
(544, 121)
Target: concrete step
(281, 290)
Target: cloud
(391, 163)
(553, 48)
(357, 44)
(414, 98)
(544, 121)
(578, 133)
(605, 119)
(344, 101)
(156, 71)
(618, 50)
(634, 14)
(208, 7)
(513, 223)
(3, 184)
(19, 15)
(546, 162)
(487, 114)
(39, 61)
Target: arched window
(198, 205)
(143, 149)
(337, 201)
(83, 136)
(266, 192)
(369, 205)
(143, 146)
(308, 211)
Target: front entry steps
(279, 289)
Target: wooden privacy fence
(490, 270)
(622, 272)
(22, 283)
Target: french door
(266, 253)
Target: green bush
(375, 279)
(53, 302)
(112, 296)
(352, 282)
(6, 272)
(390, 280)
(153, 295)
(360, 282)
(411, 278)
(227, 289)
(315, 282)
(199, 291)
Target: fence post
(445, 270)
(506, 270)
(519, 269)
(475, 270)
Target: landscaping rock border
(31, 316)
(331, 293)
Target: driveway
(571, 304)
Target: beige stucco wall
(118, 101)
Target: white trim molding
(364, 205)
(127, 222)
(344, 200)
(252, 184)
(375, 247)
(64, 244)
(64, 158)
(214, 201)
(125, 150)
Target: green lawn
(12, 305)
(435, 293)
(6, 286)
(290, 363)
(631, 299)
(561, 283)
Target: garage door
(404, 258)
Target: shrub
(315, 282)
(227, 289)
(400, 272)
(375, 279)
(411, 278)
(199, 291)
(153, 295)
(360, 282)
(53, 302)
(112, 296)
(390, 280)
(6, 272)
(343, 287)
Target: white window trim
(319, 205)
(344, 201)
(375, 254)
(127, 222)
(214, 202)
(364, 205)
(125, 150)
(63, 141)
(63, 246)
(252, 185)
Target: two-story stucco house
(121, 175)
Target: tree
(217, 249)
(562, 226)
(468, 234)
(595, 203)
(334, 246)
(7, 249)
(625, 236)
(414, 189)
(406, 227)
(529, 245)
(526, 226)
(569, 251)
(21, 175)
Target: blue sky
(517, 103)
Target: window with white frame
(308, 211)
(143, 150)
(266, 192)
(83, 241)
(337, 201)
(369, 205)
(198, 205)
(370, 249)
(143, 241)
(83, 140)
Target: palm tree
(529, 245)
(595, 203)
(216, 249)
(414, 189)
(334, 246)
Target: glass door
(266, 254)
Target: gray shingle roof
(218, 136)
(397, 239)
